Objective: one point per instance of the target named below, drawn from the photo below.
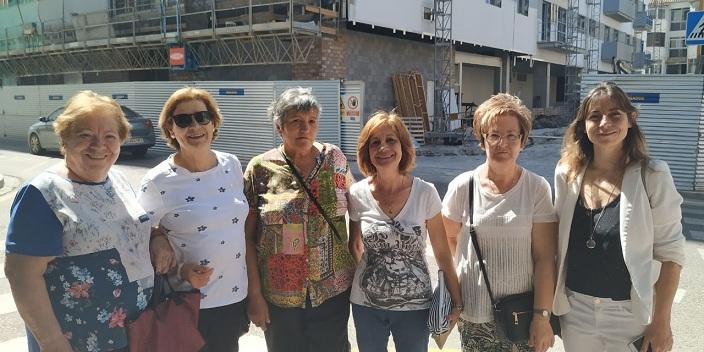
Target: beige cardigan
(650, 231)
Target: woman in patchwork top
(195, 197)
(392, 217)
(78, 240)
(300, 268)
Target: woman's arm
(438, 240)
(257, 308)
(543, 250)
(452, 229)
(26, 277)
(355, 244)
(659, 332)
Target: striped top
(503, 223)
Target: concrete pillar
(547, 86)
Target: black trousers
(310, 329)
(221, 327)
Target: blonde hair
(83, 105)
(578, 150)
(376, 120)
(501, 104)
(182, 95)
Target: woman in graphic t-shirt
(392, 215)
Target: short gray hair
(292, 99)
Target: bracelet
(459, 307)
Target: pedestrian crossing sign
(695, 28)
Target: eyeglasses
(185, 120)
(495, 138)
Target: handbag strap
(475, 243)
(311, 196)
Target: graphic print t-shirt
(393, 273)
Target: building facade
(535, 49)
(668, 53)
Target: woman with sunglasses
(515, 224)
(196, 200)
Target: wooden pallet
(415, 127)
(410, 96)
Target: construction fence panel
(671, 116)
(351, 117)
(19, 109)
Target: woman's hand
(162, 255)
(258, 311)
(454, 315)
(659, 335)
(197, 275)
(541, 335)
(56, 344)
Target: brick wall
(374, 58)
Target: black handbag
(512, 314)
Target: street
(18, 166)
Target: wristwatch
(542, 312)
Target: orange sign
(177, 56)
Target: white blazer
(650, 230)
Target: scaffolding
(137, 36)
(657, 40)
(443, 63)
(581, 40)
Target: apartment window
(628, 40)
(607, 34)
(582, 24)
(593, 27)
(676, 69)
(547, 18)
(677, 47)
(561, 24)
(678, 19)
(692, 66)
(523, 7)
(496, 3)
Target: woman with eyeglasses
(621, 247)
(515, 224)
(197, 202)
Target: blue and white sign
(695, 28)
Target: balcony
(620, 10)
(641, 60)
(553, 35)
(621, 51)
(642, 22)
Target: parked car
(41, 136)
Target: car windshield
(129, 113)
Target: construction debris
(410, 98)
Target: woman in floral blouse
(300, 269)
(78, 241)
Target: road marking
(701, 252)
(18, 344)
(7, 305)
(679, 295)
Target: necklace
(390, 208)
(591, 243)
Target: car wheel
(139, 152)
(35, 146)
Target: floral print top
(101, 277)
(297, 252)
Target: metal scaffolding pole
(443, 63)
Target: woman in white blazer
(620, 247)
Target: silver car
(41, 136)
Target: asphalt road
(19, 166)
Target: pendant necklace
(591, 243)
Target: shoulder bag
(512, 314)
